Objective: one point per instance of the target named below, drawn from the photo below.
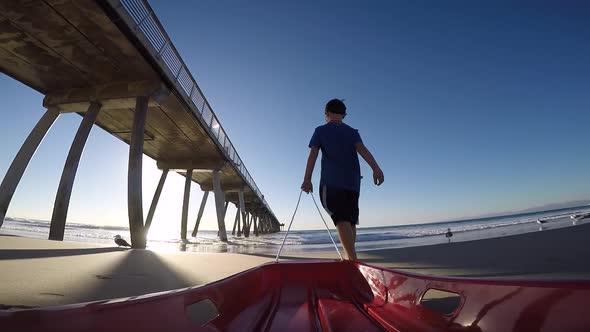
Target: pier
(112, 62)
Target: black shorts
(341, 204)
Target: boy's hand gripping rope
(291, 223)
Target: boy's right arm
(378, 176)
(313, 155)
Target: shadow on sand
(9, 254)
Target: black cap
(336, 106)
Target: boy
(341, 177)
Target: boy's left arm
(378, 176)
(313, 156)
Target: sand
(36, 273)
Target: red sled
(328, 296)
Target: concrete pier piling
(64, 190)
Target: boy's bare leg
(347, 235)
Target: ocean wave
(377, 237)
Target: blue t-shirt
(340, 162)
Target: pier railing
(139, 16)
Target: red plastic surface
(328, 296)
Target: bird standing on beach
(121, 242)
(449, 234)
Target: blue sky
(469, 108)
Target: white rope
(288, 229)
(328, 229)
(291, 223)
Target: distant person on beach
(449, 234)
(340, 174)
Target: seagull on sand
(121, 242)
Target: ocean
(317, 240)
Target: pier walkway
(112, 62)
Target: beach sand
(36, 273)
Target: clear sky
(469, 108)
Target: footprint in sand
(102, 277)
(98, 276)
